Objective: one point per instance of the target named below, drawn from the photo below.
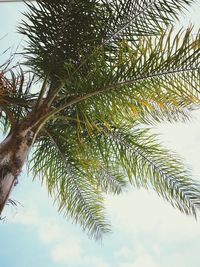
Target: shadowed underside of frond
(64, 30)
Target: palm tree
(106, 69)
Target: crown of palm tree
(107, 68)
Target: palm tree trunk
(13, 153)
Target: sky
(146, 231)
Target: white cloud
(67, 253)
(143, 261)
(94, 261)
(48, 229)
(64, 247)
(140, 257)
(124, 252)
(142, 212)
(188, 256)
(74, 254)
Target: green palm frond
(69, 181)
(130, 19)
(148, 165)
(155, 80)
(153, 58)
(64, 30)
(105, 158)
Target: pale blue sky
(147, 232)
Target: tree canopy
(107, 68)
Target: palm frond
(16, 98)
(157, 79)
(106, 157)
(60, 31)
(144, 17)
(69, 182)
(149, 165)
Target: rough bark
(13, 153)
(15, 148)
